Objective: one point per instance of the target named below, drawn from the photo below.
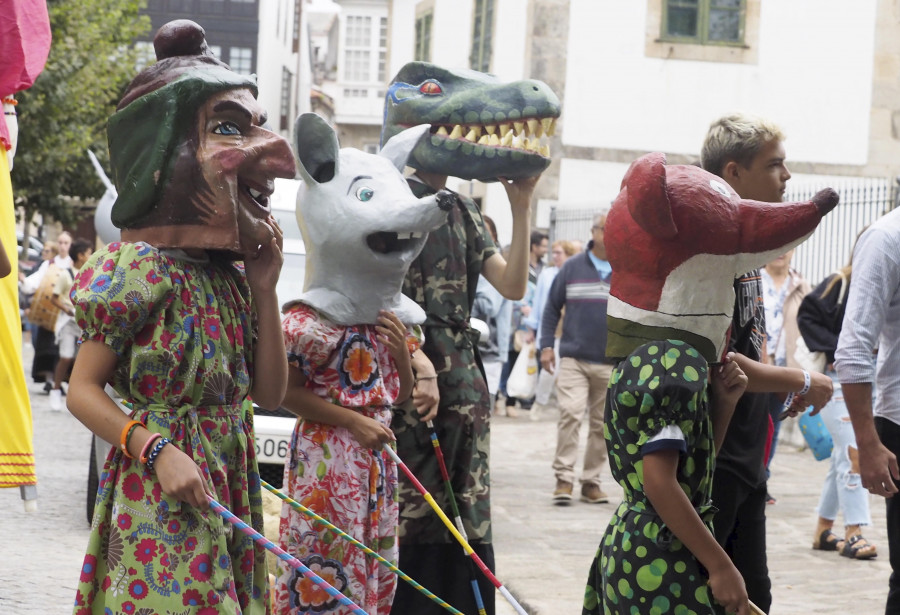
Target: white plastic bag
(523, 377)
(811, 361)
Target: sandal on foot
(857, 547)
(828, 541)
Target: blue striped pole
(292, 561)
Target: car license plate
(271, 449)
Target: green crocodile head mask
(481, 128)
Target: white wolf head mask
(361, 224)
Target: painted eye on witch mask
(365, 194)
(227, 129)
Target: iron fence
(863, 200)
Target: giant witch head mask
(677, 237)
(192, 163)
(481, 127)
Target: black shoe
(47, 387)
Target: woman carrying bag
(819, 318)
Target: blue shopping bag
(816, 435)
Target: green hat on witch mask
(156, 116)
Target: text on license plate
(271, 449)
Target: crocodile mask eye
(431, 88)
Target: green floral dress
(641, 568)
(183, 331)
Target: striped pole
(449, 524)
(457, 518)
(319, 519)
(292, 561)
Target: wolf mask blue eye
(365, 194)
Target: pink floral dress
(328, 471)
(183, 331)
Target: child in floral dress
(342, 382)
(181, 318)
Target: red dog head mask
(677, 237)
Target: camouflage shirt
(443, 280)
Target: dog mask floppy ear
(399, 147)
(317, 148)
(648, 199)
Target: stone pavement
(543, 552)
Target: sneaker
(593, 494)
(562, 495)
(55, 400)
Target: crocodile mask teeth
(482, 128)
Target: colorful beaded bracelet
(151, 458)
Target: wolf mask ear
(317, 148)
(648, 200)
(400, 146)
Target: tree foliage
(92, 59)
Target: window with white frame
(241, 60)
(423, 37)
(382, 49)
(482, 35)
(356, 65)
(358, 48)
(359, 31)
(287, 80)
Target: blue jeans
(842, 489)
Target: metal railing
(863, 200)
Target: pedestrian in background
(560, 251)
(582, 288)
(495, 311)
(783, 290)
(67, 330)
(820, 317)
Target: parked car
(272, 428)
(32, 255)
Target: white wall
(814, 78)
(274, 52)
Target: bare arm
(511, 278)
(675, 509)
(727, 382)
(764, 378)
(269, 357)
(309, 406)
(178, 475)
(426, 395)
(877, 464)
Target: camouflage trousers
(463, 429)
